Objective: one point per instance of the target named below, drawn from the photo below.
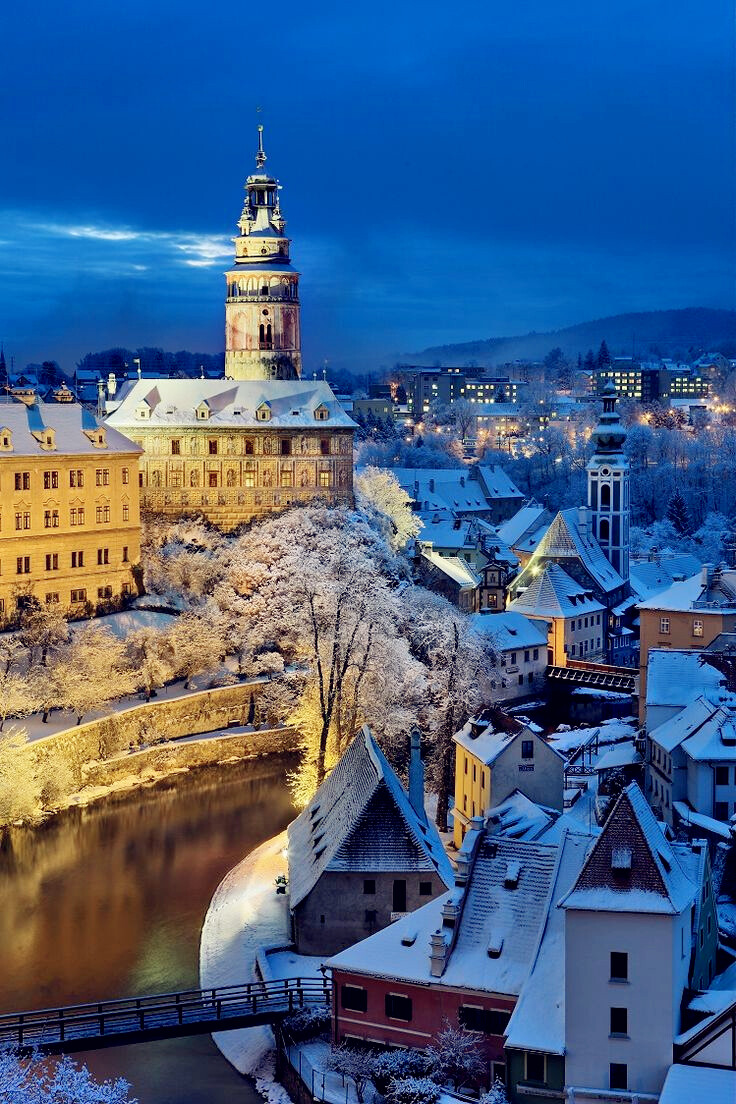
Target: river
(108, 901)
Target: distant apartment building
(446, 385)
(649, 383)
(70, 528)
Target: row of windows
(528, 654)
(77, 516)
(213, 445)
(369, 887)
(51, 560)
(584, 646)
(104, 594)
(76, 479)
(286, 479)
(397, 1006)
(696, 626)
(584, 622)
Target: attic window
(513, 870)
(321, 414)
(495, 946)
(319, 854)
(314, 810)
(317, 840)
(143, 412)
(665, 861)
(263, 413)
(6, 440)
(295, 413)
(621, 859)
(409, 939)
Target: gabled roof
(487, 739)
(568, 538)
(525, 521)
(675, 678)
(551, 592)
(651, 577)
(459, 570)
(510, 630)
(505, 918)
(705, 730)
(461, 490)
(69, 424)
(718, 594)
(361, 819)
(631, 866)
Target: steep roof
(361, 819)
(504, 917)
(70, 423)
(486, 741)
(651, 577)
(568, 538)
(705, 730)
(675, 678)
(456, 568)
(631, 866)
(525, 529)
(718, 594)
(551, 592)
(461, 490)
(232, 403)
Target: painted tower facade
(262, 328)
(609, 485)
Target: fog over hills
(670, 333)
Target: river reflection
(109, 901)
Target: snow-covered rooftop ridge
(464, 489)
(510, 629)
(687, 1084)
(456, 568)
(525, 519)
(551, 592)
(704, 729)
(72, 428)
(632, 867)
(361, 818)
(292, 404)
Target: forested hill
(668, 333)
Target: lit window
(697, 627)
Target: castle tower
(608, 485)
(262, 333)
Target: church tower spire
(608, 485)
(262, 324)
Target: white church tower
(262, 328)
(609, 485)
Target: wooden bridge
(601, 676)
(162, 1016)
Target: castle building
(262, 336)
(263, 438)
(69, 515)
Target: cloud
(199, 250)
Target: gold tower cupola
(262, 324)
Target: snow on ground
(245, 914)
(280, 963)
(123, 624)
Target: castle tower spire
(608, 485)
(262, 323)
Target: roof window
(621, 859)
(409, 939)
(495, 946)
(511, 879)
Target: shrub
(307, 1023)
(397, 1064)
(413, 1090)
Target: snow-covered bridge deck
(160, 1016)
(601, 676)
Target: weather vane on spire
(261, 154)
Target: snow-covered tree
(460, 664)
(19, 788)
(677, 513)
(92, 671)
(43, 629)
(496, 1094)
(198, 641)
(16, 698)
(454, 1056)
(379, 489)
(150, 655)
(353, 1063)
(41, 1080)
(413, 1090)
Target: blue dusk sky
(449, 172)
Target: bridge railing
(133, 1015)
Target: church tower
(262, 333)
(608, 485)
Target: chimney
(584, 521)
(112, 384)
(706, 576)
(437, 953)
(416, 774)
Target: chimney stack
(416, 774)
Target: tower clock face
(605, 471)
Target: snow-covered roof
(705, 730)
(569, 538)
(461, 490)
(651, 577)
(551, 592)
(631, 866)
(486, 738)
(520, 818)
(693, 594)
(701, 821)
(231, 403)
(504, 917)
(70, 423)
(676, 677)
(527, 525)
(455, 567)
(361, 819)
(687, 1084)
(622, 755)
(538, 1020)
(510, 630)
(447, 531)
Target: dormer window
(6, 440)
(203, 412)
(143, 412)
(321, 413)
(263, 412)
(621, 859)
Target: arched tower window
(604, 531)
(606, 495)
